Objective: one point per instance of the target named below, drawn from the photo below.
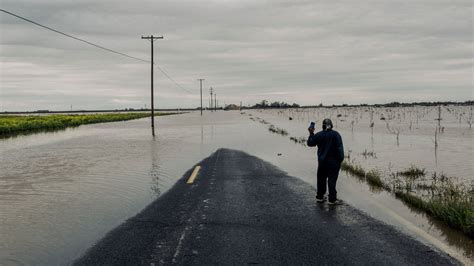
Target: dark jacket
(329, 144)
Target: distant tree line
(276, 104)
(391, 104)
(398, 104)
(267, 104)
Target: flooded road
(232, 213)
(61, 192)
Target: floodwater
(450, 152)
(61, 192)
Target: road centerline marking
(193, 175)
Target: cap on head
(327, 124)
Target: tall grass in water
(413, 172)
(277, 130)
(449, 202)
(300, 140)
(353, 169)
(368, 154)
(14, 125)
(372, 177)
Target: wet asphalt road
(242, 210)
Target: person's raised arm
(312, 139)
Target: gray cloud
(297, 51)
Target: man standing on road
(330, 157)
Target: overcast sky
(303, 51)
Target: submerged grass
(449, 202)
(301, 140)
(456, 212)
(367, 154)
(372, 177)
(354, 169)
(413, 172)
(277, 130)
(16, 125)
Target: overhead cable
(97, 46)
(75, 38)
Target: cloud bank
(302, 51)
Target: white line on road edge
(180, 242)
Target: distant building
(231, 107)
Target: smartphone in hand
(311, 125)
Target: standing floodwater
(61, 192)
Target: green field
(20, 125)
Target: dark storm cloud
(297, 51)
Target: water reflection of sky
(60, 192)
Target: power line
(75, 38)
(97, 46)
(170, 78)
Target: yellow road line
(193, 175)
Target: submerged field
(63, 191)
(16, 125)
(422, 155)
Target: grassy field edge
(24, 125)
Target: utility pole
(439, 118)
(152, 39)
(215, 102)
(210, 105)
(200, 81)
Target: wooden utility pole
(210, 105)
(215, 102)
(200, 81)
(152, 39)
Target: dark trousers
(327, 170)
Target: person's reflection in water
(154, 171)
